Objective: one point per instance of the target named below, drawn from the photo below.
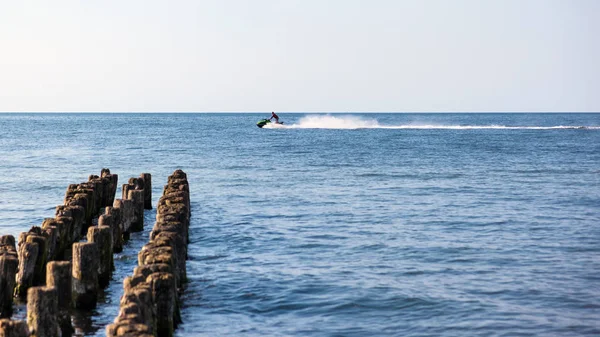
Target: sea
(379, 224)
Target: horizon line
(295, 112)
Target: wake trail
(355, 122)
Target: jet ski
(264, 122)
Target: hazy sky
(300, 55)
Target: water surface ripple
(369, 225)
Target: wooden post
(102, 236)
(177, 242)
(171, 224)
(162, 286)
(8, 241)
(138, 206)
(85, 275)
(59, 276)
(70, 193)
(136, 183)
(127, 217)
(42, 306)
(95, 185)
(66, 225)
(10, 328)
(141, 273)
(52, 242)
(106, 190)
(78, 215)
(58, 238)
(150, 254)
(83, 200)
(107, 219)
(138, 301)
(125, 191)
(147, 178)
(86, 193)
(112, 185)
(8, 272)
(122, 211)
(28, 252)
(115, 181)
(39, 274)
(128, 329)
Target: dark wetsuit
(274, 115)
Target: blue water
(346, 225)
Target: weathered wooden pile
(53, 270)
(150, 303)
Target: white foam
(335, 122)
(274, 126)
(356, 122)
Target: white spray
(358, 122)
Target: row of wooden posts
(150, 303)
(54, 271)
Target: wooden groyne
(65, 262)
(150, 303)
(52, 240)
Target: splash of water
(329, 122)
(336, 122)
(356, 122)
